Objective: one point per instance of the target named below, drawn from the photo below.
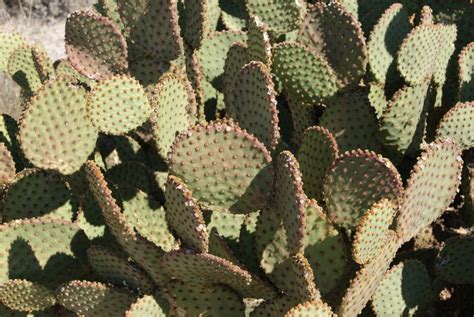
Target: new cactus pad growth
(242, 158)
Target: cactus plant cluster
(242, 158)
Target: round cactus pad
(466, 73)
(311, 308)
(94, 45)
(26, 296)
(148, 305)
(7, 165)
(458, 124)
(55, 132)
(9, 43)
(281, 16)
(237, 57)
(356, 181)
(118, 104)
(455, 260)
(259, 46)
(237, 162)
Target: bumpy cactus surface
(242, 158)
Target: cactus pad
(117, 105)
(174, 110)
(114, 268)
(213, 300)
(211, 55)
(402, 125)
(259, 46)
(458, 124)
(254, 104)
(148, 305)
(243, 174)
(432, 185)
(466, 73)
(237, 57)
(316, 154)
(9, 43)
(405, 289)
(148, 72)
(336, 35)
(199, 17)
(343, 118)
(36, 193)
(94, 299)
(367, 279)
(7, 165)
(276, 307)
(429, 48)
(290, 200)
(377, 99)
(356, 181)
(25, 239)
(152, 28)
(184, 215)
(311, 308)
(204, 269)
(26, 296)
(94, 45)
(309, 79)
(372, 228)
(384, 41)
(455, 260)
(55, 132)
(22, 68)
(281, 16)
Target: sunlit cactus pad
(247, 158)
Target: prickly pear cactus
(241, 158)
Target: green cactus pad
(44, 65)
(22, 68)
(110, 8)
(295, 278)
(117, 105)
(64, 69)
(302, 117)
(200, 18)
(455, 260)
(466, 73)
(352, 121)
(200, 301)
(212, 53)
(243, 175)
(149, 306)
(174, 110)
(234, 14)
(130, 177)
(403, 123)
(315, 308)
(385, 40)
(226, 224)
(152, 28)
(94, 299)
(336, 35)
(259, 46)
(114, 268)
(254, 104)
(405, 289)
(36, 193)
(431, 188)
(148, 72)
(147, 216)
(310, 78)
(281, 16)
(55, 132)
(371, 231)
(426, 15)
(184, 215)
(429, 48)
(377, 99)
(356, 181)
(94, 45)
(457, 124)
(276, 307)
(290, 200)
(316, 154)
(26, 296)
(219, 247)
(204, 269)
(7, 165)
(145, 253)
(31, 246)
(8, 44)
(367, 279)
(89, 218)
(237, 57)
